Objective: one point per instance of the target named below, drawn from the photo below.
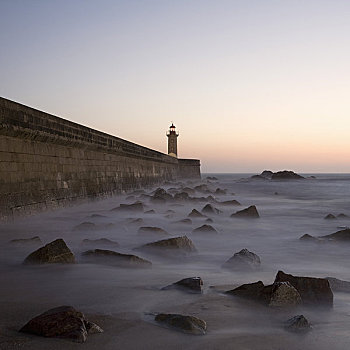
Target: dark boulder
(202, 188)
(114, 258)
(220, 191)
(205, 229)
(186, 324)
(151, 229)
(135, 207)
(54, 252)
(330, 217)
(243, 260)
(182, 196)
(161, 195)
(230, 202)
(313, 291)
(195, 214)
(252, 291)
(62, 322)
(267, 174)
(342, 235)
(250, 212)
(193, 284)
(284, 295)
(209, 209)
(286, 175)
(298, 324)
(176, 244)
(338, 285)
(188, 190)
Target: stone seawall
(46, 161)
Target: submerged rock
(100, 241)
(115, 258)
(32, 240)
(202, 188)
(195, 214)
(182, 196)
(209, 220)
(193, 284)
(185, 221)
(342, 235)
(243, 260)
(186, 324)
(209, 209)
(308, 237)
(230, 202)
(338, 285)
(135, 207)
(329, 217)
(52, 253)
(250, 212)
(85, 226)
(152, 229)
(150, 211)
(313, 291)
(298, 324)
(161, 195)
(220, 191)
(205, 229)
(181, 244)
(62, 322)
(342, 216)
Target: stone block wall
(46, 161)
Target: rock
(286, 175)
(85, 226)
(115, 258)
(313, 291)
(342, 216)
(243, 260)
(180, 244)
(151, 229)
(342, 235)
(150, 211)
(188, 190)
(330, 217)
(182, 196)
(135, 221)
(195, 214)
(185, 221)
(97, 216)
(54, 252)
(298, 324)
(231, 202)
(202, 188)
(220, 191)
(212, 178)
(193, 284)
(209, 209)
(62, 322)
(100, 241)
(252, 291)
(33, 240)
(250, 212)
(209, 220)
(338, 285)
(160, 195)
(284, 295)
(135, 207)
(186, 324)
(267, 174)
(309, 238)
(258, 177)
(205, 229)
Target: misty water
(121, 299)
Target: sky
(249, 84)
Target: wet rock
(313, 291)
(250, 212)
(182, 196)
(115, 258)
(161, 195)
(193, 284)
(180, 244)
(100, 241)
(298, 324)
(85, 226)
(152, 229)
(52, 253)
(220, 191)
(284, 295)
(342, 216)
(308, 238)
(254, 291)
(188, 190)
(329, 217)
(205, 229)
(231, 202)
(286, 175)
(134, 207)
(62, 322)
(185, 221)
(32, 240)
(209, 209)
(338, 285)
(150, 211)
(202, 188)
(342, 236)
(186, 324)
(243, 260)
(195, 214)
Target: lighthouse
(172, 141)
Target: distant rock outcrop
(186, 324)
(52, 253)
(62, 322)
(250, 212)
(279, 175)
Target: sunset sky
(250, 84)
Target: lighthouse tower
(172, 141)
